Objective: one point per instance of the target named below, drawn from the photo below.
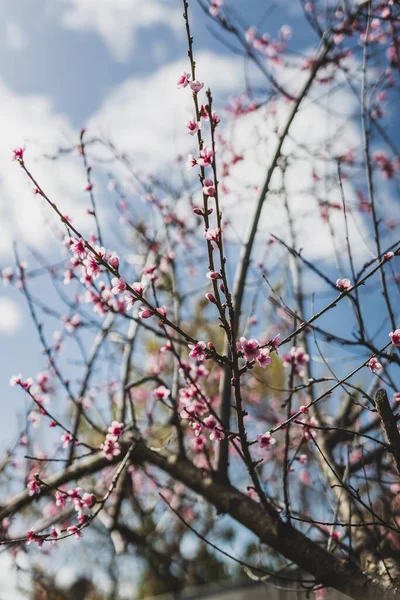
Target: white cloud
(118, 21)
(31, 121)
(10, 316)
(15, 36)
(146, 118)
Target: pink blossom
(211, 298)
(388, 255)
(75, 530)
(33, 487)
(374, 364)
(34, 537)
(183, 80)
(145, 313)
(18, 154)
(162, 392)
(206, 157)
(213, 275)
(395, 337)
(72, 323)
(250, 348)
(193, 126)
(275, 343)
(196, 86)
(266, 441)
(210, 422)
(215, 6)
(88, 500)
(78, 247)
(343, 284)
(110, 447)
(119, 285)
(211, 234)
(264, 358)
(116, 429)
(92, 266)
(113, 261)
(199, 443)
(89, 187)
(396, 397)
(197, 351)
(208, 188)
(162, 311)
(16, 380)
(61, 498)
(151, 272)
(66, 439)
(7, 275)
(216, 435)
(138, 288)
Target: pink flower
(275, 343)
(162, 392)
(215, 6)
(78, 247)
(113, 261)
(119, 284)
(396, 397)
(145, 313)
(89, 187)
(89, 500)
(266, 441)
(7, 275)
(110, 447)
(264, 358)
(249, 348)
(162, 311)
(116, 429)
(193, 126)
(206, 157)
(211, 234)
(388, 255)
(18, 154)
(16, 380)
(208, 188)
(210, 422)
(33, 487)
(74, 529)
(66, 439)
(196, 86)
(92, 266)
(395, 337)
(216, 435)
(199, 443)
(183, 80)
(197, 351)
(374, 364)
(61, 498)
(138, 288)
(210, 298)
(343, 284)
